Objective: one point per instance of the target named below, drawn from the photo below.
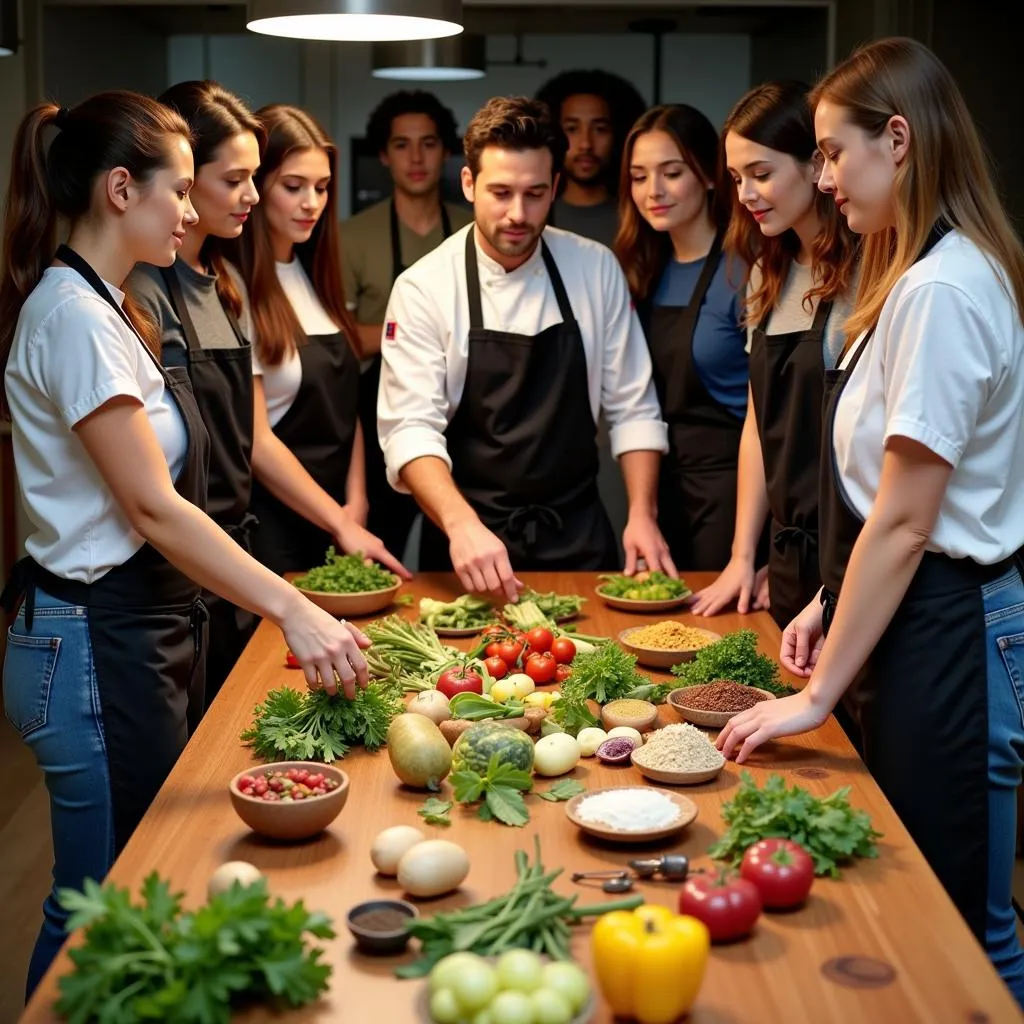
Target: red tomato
(540, 668)
(500, 632)
(781, 870)
(509, 651)
(727, 904)
(540, 639)
(291, 661)
(496, 667)
(563, 650)
(459, 679)
(493, 649)
(562, 673)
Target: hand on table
(768, 720)
(326, 649)
(481, 561)
(642, 539)
(351, 536)
(737, 582)
(802, 641)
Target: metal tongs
(671, 867)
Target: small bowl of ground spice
(714, 703)
(380, 926)
(664, 644)
(679, 755)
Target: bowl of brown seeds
(713, 704)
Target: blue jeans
(1004, 635)
(51, 698)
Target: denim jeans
(51, 698)
(1004, 635)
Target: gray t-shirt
(792, 314)
(599, 222)
(214, 329)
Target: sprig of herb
(564, 789)
(346, 574)
(501, 788)
(604, 674)
(733, 657)
(436, 811)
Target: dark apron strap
(397, 266)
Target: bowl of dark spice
(714, 703)
(381, 926)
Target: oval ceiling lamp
(8, 28)
(454, 59)
(356, 20)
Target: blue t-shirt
(719, 343)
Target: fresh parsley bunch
(733, 657)
(346, 574)
(152, 962)
(829, 829)
(605, 674)
(312, 726)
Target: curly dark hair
(516, 123)
(625, 104)
(378, 128)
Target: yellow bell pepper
(650, 962)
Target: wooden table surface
(925, 964)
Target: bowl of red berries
(289, 799)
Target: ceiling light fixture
(356, 20)
(454, 59)
(8, 28)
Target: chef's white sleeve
(412, 403)
(628, 398)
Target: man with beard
(414, 133)
(500, 349)
(595, 110)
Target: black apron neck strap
(180, 306)
(821, 315)
(397, 266)
(707, 273)
(561, 295)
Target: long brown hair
(643, 252)
(777, 115)
(290, 130)
(113, 129)
(215, 115)
(944, 176)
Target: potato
(227, 874)
(433, 867)
(391, 845)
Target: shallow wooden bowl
(625, 604)
(299, 819)
(366, 602)
(654, 657)
(687, 814)
(697, 716)
(676, 778)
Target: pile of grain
(678, 748)
(720, 695)
(670, 636)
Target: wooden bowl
(654, 657)
(610, 718)
(299, 819)
(708, 719)
(461, 631)
(625, 604)
(687, 813)
(675, 778)
(365, 602)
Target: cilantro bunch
(312, 726)
(829, 829)
(346, 574)
(153, 962)
(604, 674)
(734, 657)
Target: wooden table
(891, 910)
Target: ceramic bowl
(341, 606)
(290, 819)
(654, 657)
(380, 943)
(697, 716)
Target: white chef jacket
(944, 367)
(425, 342)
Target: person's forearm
(355, 482)
(430, 482)
(640, 474)
(369, 339)
(751, 492)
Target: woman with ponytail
(103, 673)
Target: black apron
(523, 442)
(222, 384)
(787, 383)
(921, 698)
(319, 428)
(391, 514)
(697, 484)
(147, 629)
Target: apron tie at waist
(198, 616)
(793, 535)
(829, 599)
(20, 584)
(524, 521)
(241, 533)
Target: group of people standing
(804, 335)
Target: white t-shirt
(71, 354)
(945, 368)
(425, 346)
(281, 382)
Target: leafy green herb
(733, 657)
(474, 708)
(501, 788)
(564, 789)
(293, 726)
(154, 962)
(435, 811)
(654, 586)
(604, 674)
(654, 692)
(464, 612)
(829, 829)
(346, 574)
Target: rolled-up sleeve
(628, 398)
(412, 403)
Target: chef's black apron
(523, 442)
(391, 514)
(697, 484)
(787, 383)
(319, 428)
(147, 628)
(222, 384)
(922, 698)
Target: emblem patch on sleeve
(390, 330)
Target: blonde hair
(945, 175)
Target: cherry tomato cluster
(544, 657)
(294, 784)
